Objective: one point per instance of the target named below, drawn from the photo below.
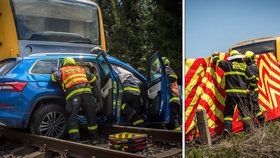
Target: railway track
(162, 143)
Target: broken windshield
(60, 21)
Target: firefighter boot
(227, 129)
(177, 126)
(75, 136)
(248, 126)
(261, 120)
(138, 121)
(94, 138)
(130, 113)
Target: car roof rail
(64, 54)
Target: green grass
(263, 143)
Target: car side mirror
(95, 50)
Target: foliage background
(138, 28)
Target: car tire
(49, 120)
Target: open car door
(158, 95)
(110, 88)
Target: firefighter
(236, 76)
(76, 83)
(174, 101)
(253, 96)
(131, 101)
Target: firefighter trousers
(87, 102)
(230, 103)
(174, 115)
(131, 107)
(253, 105)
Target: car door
(158, 90)
(110, 88)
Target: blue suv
(30, 100)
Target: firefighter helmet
(165, 61)
(233, 53)
(68, 61)
(250, 55)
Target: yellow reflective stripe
(92, 80)
(253, 84)
(259, 114)
(75, 130)
(237, 91)
(123, 106)
(173, 75)
(174, 99)
(53, 78)
(123, 136)
(246, 118)
(179, 129)
(239, 73)
(75, 80)
(131, 89)
(256, 89)
(63, 88)
(218, 62)
(250, 78)
(138, 122)
(91, 128)
(75, 75)
(77, 91)
(234, 73)
(228, 119)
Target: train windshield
(259, 47)
(59, 21)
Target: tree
(140, 27)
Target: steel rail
(67, 147)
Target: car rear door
(111, 89)
(158, 107)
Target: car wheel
(49, 120)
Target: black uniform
(76, 83)
(131, 103)
(236, 76)
(174, 101)
(253, 96)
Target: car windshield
(6, 66)
(258, 48)
(61, 21)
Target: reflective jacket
(74, 80)
(173, 85)
(131, 85)
(253, 84)
(236, 76)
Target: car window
(6, 66)
(44, 66)
(155, 69)
(104, 65)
